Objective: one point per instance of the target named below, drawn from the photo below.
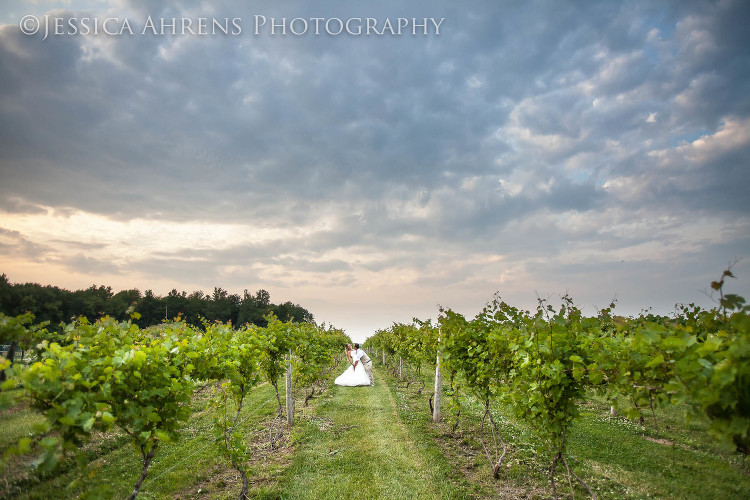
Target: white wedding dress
(352, 377)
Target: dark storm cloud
(516, 112)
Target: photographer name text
(49, 26)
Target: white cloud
(733, 135)
(400, 173)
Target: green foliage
(414, 344)
(13, 329)
(550, 371)
(543, 364)
(109, 374)
(712, 370)
(232, 357)
(113, 374)
(315, 349)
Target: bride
(352, 377)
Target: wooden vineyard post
(438, 385)
(400, 369)
(289, 395)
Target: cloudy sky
(529, 148)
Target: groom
(360, 355)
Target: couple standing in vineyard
(352, 376)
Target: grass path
(355, 445)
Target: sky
(374, 161)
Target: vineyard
(105, 375)
(544, 366)
(511, 403)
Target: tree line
(58, 306)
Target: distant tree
(58, 306)
(292, 312)
(6, 294)
(218, 307)
(175, 303)
(50, 305)
(26, 299)
(195, 308)
(91, 302)
(263, 298)
(45, 303)
(253, 309)
(151, 309)
(234, 301)
(122, 304)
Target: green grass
(616, 457)
(662, 459)
(16, 423)
(355, 445)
